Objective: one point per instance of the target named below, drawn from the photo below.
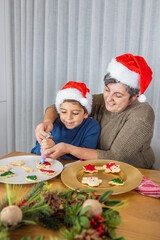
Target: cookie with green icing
(31, 178)
(7, 174)
(116, 182)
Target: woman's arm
(46, 126)
(50, 114)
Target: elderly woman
(126, 120)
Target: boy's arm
(86, 148)
(61, 149)
(46, 126)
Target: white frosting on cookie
(111, 167)
(91, 181)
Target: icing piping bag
(43, 156)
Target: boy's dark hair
(70, 100)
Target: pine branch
(35, 191)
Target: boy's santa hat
(75, 91)
(132, 71)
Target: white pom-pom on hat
(75, 91)
(142, 98)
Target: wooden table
(140, 218)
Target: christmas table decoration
(84, 215)
(76, 214)
(17, 212)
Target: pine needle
(4, 234)
(37, 189)
(8, 194)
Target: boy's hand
(47, 143)
(42, 130)
(57, 151)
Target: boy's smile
(72, 114)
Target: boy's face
(72, 114)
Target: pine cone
(87, 234)
(52, 200)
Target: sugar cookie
(46, 164)
(4, 168)
(90, 168)
(17, 163)
(27, 169)
(92, 181)
(7, 174)
(32, 178)
(111, 168)
(116, 182)
(48, 172)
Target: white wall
(3, 84)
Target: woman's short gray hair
(132, 91)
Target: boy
(73, 127)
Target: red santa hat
(132, 71)
(75, 91)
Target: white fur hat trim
(123, 74)
(74, 94)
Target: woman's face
(116, 97)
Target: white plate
(30, 161)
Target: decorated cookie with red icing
(111, 168)
(90, 168)
(46, 164)
(48, 172)
(91, 181)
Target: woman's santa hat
(75, 91)
(132, 71)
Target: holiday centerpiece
(76, 214)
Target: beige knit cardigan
(125, 136)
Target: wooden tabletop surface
(140, 217)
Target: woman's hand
(57, 150)
(42, 130)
